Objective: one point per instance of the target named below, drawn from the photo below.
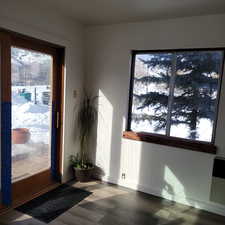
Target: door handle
(57, 120)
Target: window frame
(166, 139)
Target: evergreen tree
(194, 95)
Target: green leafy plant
(86, 119)
(76, 162)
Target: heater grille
(218, 181)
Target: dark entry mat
(52, 204)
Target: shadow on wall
(105, 144)
(176, 174)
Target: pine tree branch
(153, 99)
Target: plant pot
(20, 135)
(83, 175)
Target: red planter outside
(20, 135)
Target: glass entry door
(31, 111)
(31, 94)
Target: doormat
(53, 203)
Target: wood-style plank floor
(112, 205)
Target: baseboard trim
(207, 206)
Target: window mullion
(221, 69)
(171, 94)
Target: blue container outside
(26, 95)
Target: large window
(176, 93)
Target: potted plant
(20, 135)
(86, 119)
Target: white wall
(44, 24)
(173, 173)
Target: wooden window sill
(198, 146)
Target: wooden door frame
(10, 39)
(6, 198)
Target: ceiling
(98, 12)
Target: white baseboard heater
(218, 181)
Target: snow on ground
(35, 117)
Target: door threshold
(18, 202)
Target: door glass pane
(151, 92)
(31, 112)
